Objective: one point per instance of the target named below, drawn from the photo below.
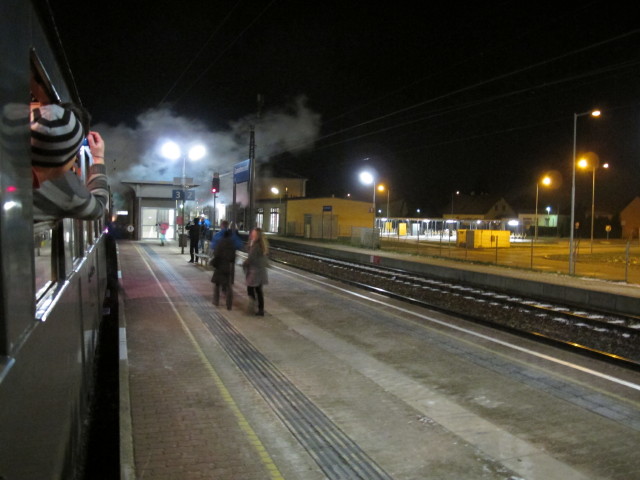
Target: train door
(152, 217)
(260, 218)
(274, 220)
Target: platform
(336, 383)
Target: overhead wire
(488, 81)
(524, 34)
(225, 50)
(202, 48)
(445, 111)
(403, 110)
(487, 100)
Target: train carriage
(53, 275)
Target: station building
(324, 218)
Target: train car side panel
(16, 315)
(53, 276)
(41, 392)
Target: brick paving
(182, 426)
(186, 425)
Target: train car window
(78, 243)
(68, 236)
(88, 234)
(42, 89)
(84, 161)
(43, 255)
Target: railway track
(603, 334)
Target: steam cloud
(133, 154)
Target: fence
(615, 260)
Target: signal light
(215, 185)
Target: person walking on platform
(255, 268)
(224, 226)
(162, 230)
(223, 261)
(204, 228)
(237, 242)
(194, 237)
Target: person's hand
(96, 145)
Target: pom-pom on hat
(56, 136)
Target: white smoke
(133, 154)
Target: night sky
(438, 96)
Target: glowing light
(170, 150)
(197, 152)
(366, 178)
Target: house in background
(478, 207)
(630, 219)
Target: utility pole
(215, 188)
(252, 166)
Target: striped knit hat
(56, 136)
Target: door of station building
(152, 217)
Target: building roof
(473, 204)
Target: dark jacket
(194, 231)
(224, 257)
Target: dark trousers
(227, 289)
(254, 292)
(193, 249)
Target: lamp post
(381, 188)
(593, 163)
(172, 151)
(572, 260)
(546, 181)
(457, 192)
(368, 178)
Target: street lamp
(546, 181)
(367, 178)
(593, 163)
(172, 151)
(572, 260)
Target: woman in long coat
(255, 267)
